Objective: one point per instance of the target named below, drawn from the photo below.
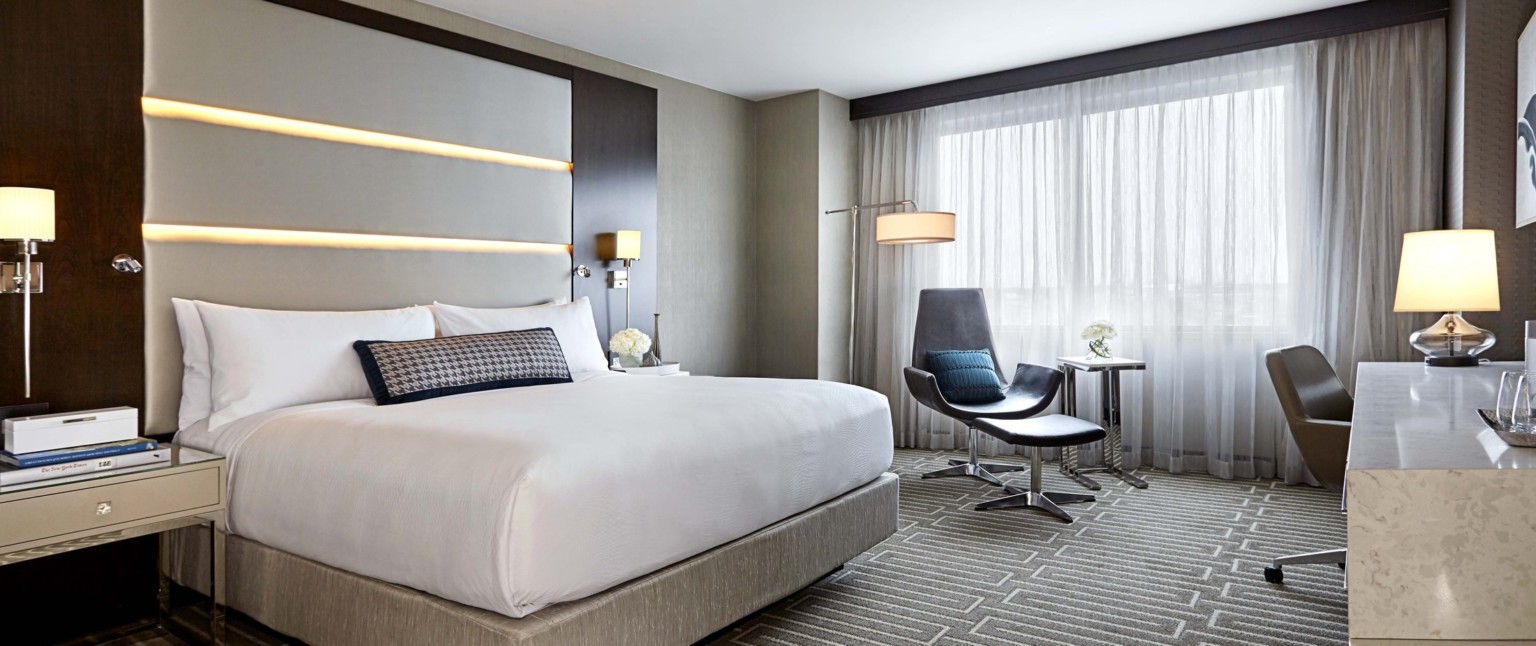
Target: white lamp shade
(1448, 271)
(26, 213)
(626, 245)
(915, 227)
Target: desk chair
(956, 319)
(1318, 410)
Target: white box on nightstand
(64, 430)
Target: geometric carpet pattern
(1180, 562)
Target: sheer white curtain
(1211, 210)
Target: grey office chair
(1318, 410)
(956, 319)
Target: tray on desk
(1511, 438)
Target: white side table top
(1097, 365)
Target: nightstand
(40, 519)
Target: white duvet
(511, 500)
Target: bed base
(680, 604)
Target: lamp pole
(853, 262)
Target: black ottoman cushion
(1045, 430)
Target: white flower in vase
(631, 345)
(1098, 334)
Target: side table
(50, 517)
(1109, 395)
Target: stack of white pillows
(239, 361)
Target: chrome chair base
(974, 467)
(1043, 500)
(1048, 501)
(992, 466)
(1273, 574)
(965, 469)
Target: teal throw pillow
(966, 376)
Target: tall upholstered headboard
(299, 162)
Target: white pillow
(196, 375)
(572, 323)
(263, 360)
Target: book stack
(50, 447)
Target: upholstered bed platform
(679, 604)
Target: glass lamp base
(1452, 342)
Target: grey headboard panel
(266, 60)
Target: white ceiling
(760, 49)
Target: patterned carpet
(1178, 563)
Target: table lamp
(1451, 272)
(26, 217)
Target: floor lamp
(901, 227)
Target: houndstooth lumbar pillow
(408, 371)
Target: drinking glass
(1514, 405)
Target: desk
(1442, 513)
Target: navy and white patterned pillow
(408, 371)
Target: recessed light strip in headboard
(169, 109)
(335, 240)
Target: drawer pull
(103, 508)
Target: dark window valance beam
(1324, 23)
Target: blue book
(44, 458)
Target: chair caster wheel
(1274, 575)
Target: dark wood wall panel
(613, 150)
(70, 78)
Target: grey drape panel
(1211, 209)
(1374, 114)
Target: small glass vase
(1099, 349)
(630, 360)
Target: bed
(513, 500)
(607, 509)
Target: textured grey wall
(837, 171)
(1480, 159)
(787, 231)
(805, 166)
(705, 202)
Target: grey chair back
(952, 319)
(1317, 407)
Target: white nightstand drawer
(42, 517)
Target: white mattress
(511, 500)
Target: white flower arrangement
(630, 342)
(1097, 334)
(1099, 330)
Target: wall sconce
(26, 218)
(625, 246)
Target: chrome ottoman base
(1045, 431)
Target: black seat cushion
(1045, 430)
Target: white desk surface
(1411, 416)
